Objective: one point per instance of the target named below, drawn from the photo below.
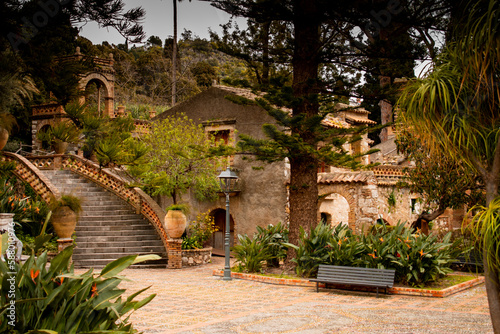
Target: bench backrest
(364, 276)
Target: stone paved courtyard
(191, 300)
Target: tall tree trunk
(303, 180)
(174, 57)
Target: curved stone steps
(108, 227)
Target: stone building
(262, 195)
(349, 197)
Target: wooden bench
(376, 278)
(472, 259)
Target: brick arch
(37, 127)
(109, 90)
(325, 190)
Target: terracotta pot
(175, 223)
(60, 147)
(64, 221)
(4, 136)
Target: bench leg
(317, 286)
(377, 291)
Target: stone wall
(402, 210)
(196, 257)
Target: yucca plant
(65, 132)
(251, 254)
(53, 299)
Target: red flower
(397, 254)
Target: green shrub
(312, 249)
(275, 236)
(60, 132)
(251, 253)
(55, 299)
(344, 249)
(417, 258)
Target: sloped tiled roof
(357, 110)
(359, 120)
(344, 177)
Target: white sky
(197, 16)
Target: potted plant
(60, 135)
(175, 220)
(7, 122)
(65, 215)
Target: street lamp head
(228, 180)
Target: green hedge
(417, 258)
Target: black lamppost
(227, 180)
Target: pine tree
(329, 42)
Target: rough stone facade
(196, 257)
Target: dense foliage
(19, 198)
(53, 299)
(417, 258)
(266, 246)
(441, 181)
(199, 231)
(177, 160)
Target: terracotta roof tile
(344, 177)
(360, 120)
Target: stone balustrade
(26, 171)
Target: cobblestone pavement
(193, 301)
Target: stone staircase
(108, 227)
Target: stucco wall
(262, 199)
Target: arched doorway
(95, 96)
(335, 209)
(218, 236)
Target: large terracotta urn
(64, 221)
(4, 137)
(60, 147)
(175, 223)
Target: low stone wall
(196, 257)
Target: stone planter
(196, 257)
(175, 223)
